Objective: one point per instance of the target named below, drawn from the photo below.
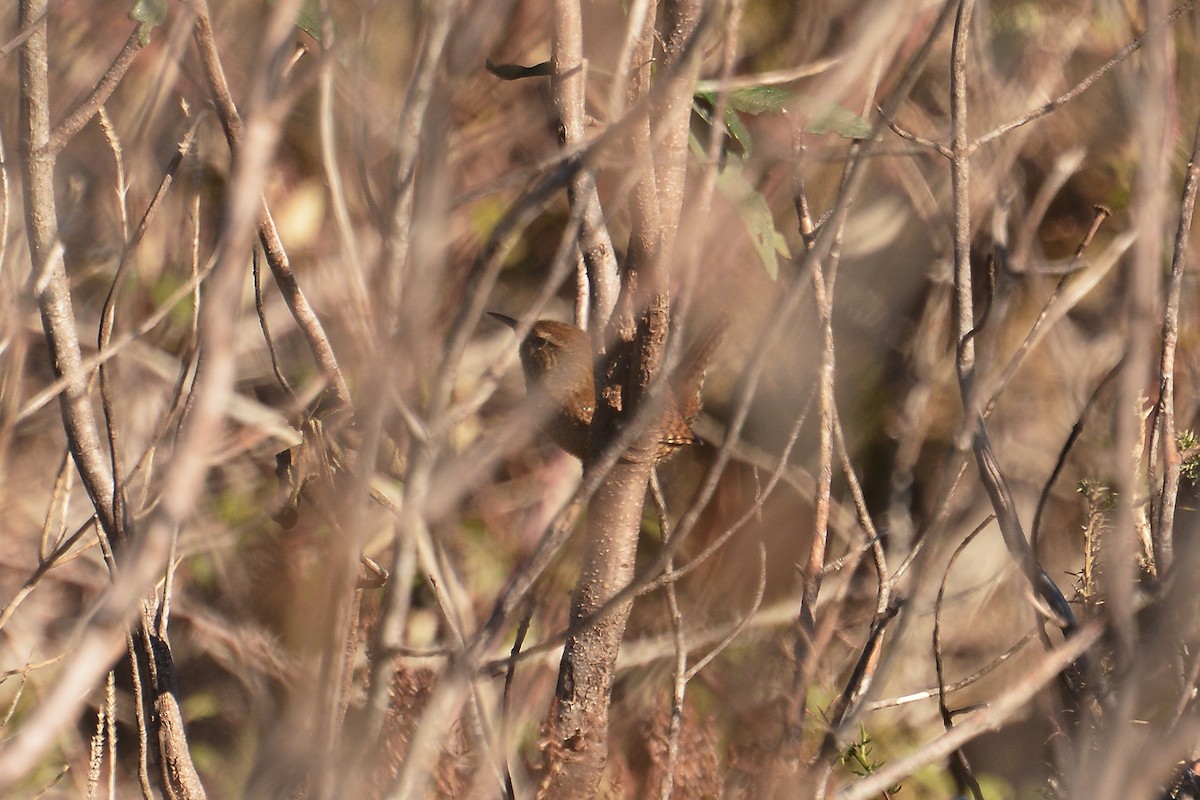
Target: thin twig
(1071, 289)
(1141, 296)
(773, 78)
(965, 330)
(1165, 436)
(347, 238)
(506, 696)
(285, 278)
(53, 286)
(679, 673)
(102, 637)
(600, 280)
(96, 753)
(107, 321)
(959, 764)
(60, 499)
(977, 722)
(141, 705)
(261, 311)
(73, 123)
(848, 705)
(5, 201)
(928, 144)
(28, 28)
(1076, 429)
(961, 683)
(1077, 89)
(810, 575)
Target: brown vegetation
(279, 519)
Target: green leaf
(749, 99)
(752, 207)
(757, 99)
(844, 123)
(148, 14)
(769, 243)
(703, 104)
(755, 213)
(738, 131)
(309, 18)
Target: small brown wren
(556, 358)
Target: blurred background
(251, 602)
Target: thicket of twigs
(278, 521)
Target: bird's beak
(509, 321)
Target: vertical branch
(1120, 563)
(390, 630)
(45, 253)
(237, 135)
(578, 741)
(333, 173)
(178, 771)
(578, 747)
(672, 111)
(5, 202)
(847, 708)
(568, 84)
(960, 181)
(804, 647)
(393, 261)
(679, 677)
(73, 123)
(107, 322)
(1165, 434)
(994, 482)
(102, 637)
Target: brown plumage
(556, 358)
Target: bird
(556, 358)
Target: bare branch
(1077, 89)
(277, 258)
(1165, 432)
(73, 123)
(103, 637)
(569, 79)
(978, 722)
